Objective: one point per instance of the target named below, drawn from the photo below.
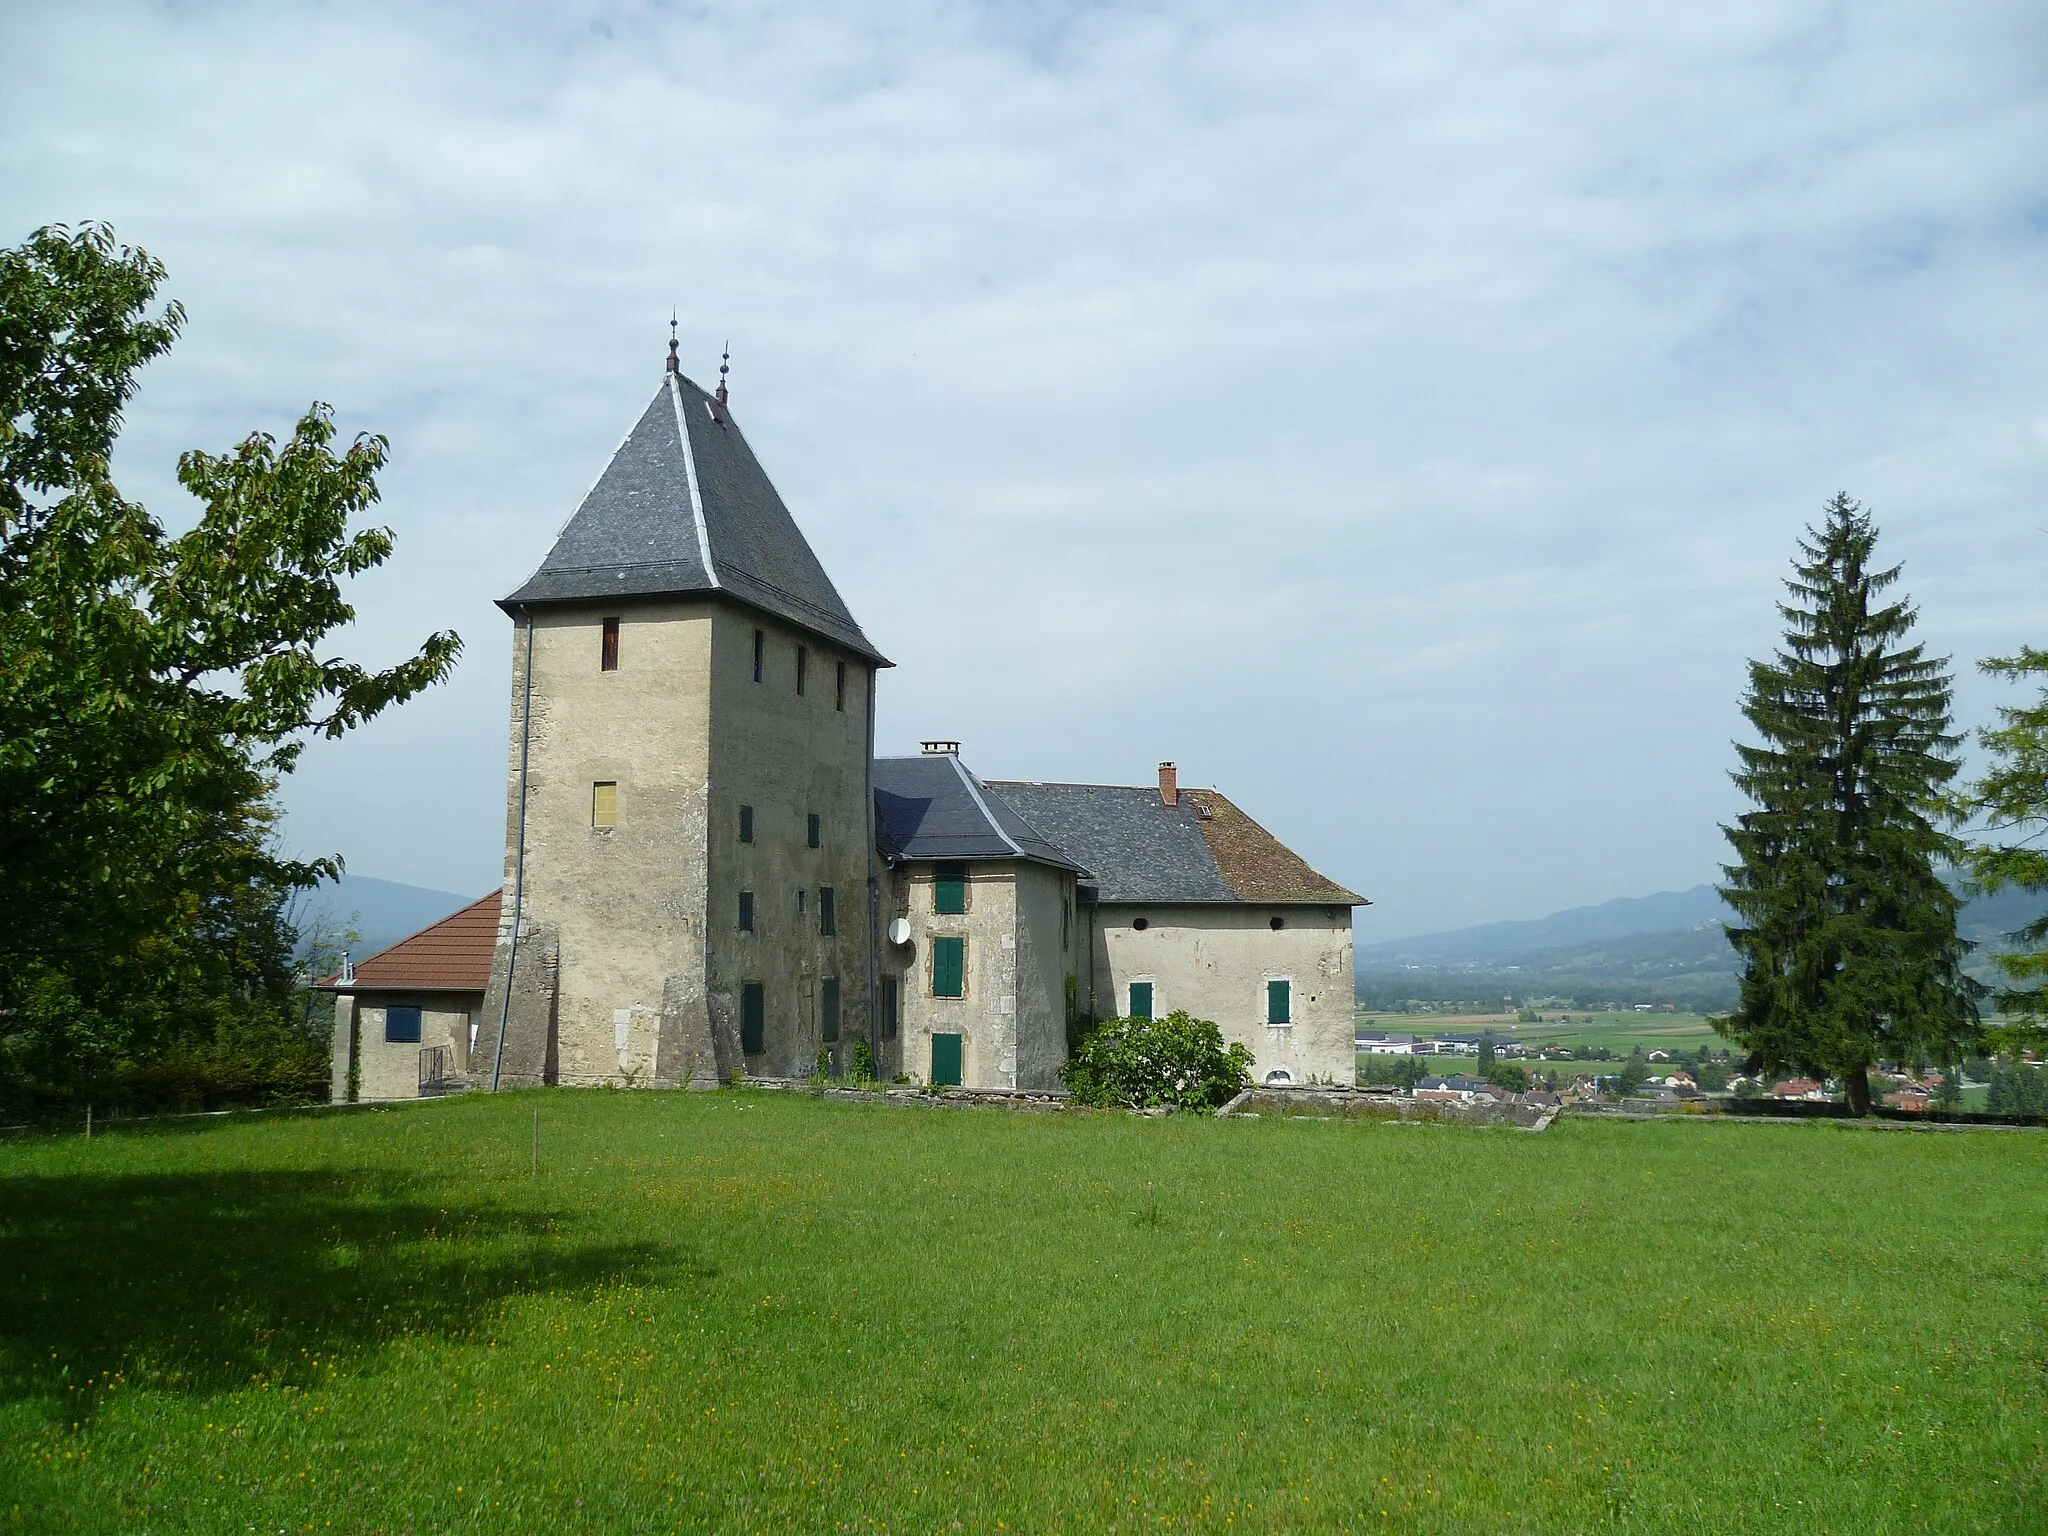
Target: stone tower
(688, 827)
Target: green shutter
(1141, 999)
(753, 1018)
(1279, 1002)
(746, 911)
(828, 911)
(813, 830)
(746, 823)
(949, 967)
(949, 888)
(946, 1061)
(828, 1010)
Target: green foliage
(1402, 1072)
(2017, 1089)
(1178, 1062)
(1635, 1071)
(153, 688)
(862, 1069)
(2012, 797)
(1508, 1075)
(1486, 1049)
(1848, 934)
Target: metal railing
(433, 1070)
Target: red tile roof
(453, 955)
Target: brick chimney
(1169, 784)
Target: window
(828, 911)
(839, 689)
(891, 1008)
(746, 823)
(1141, 1000)
(760, 647)
(608, 651)
(1066, 920)
(746, 911)
(814, 831)
(828, 1010)
(1279, 1002)
(803, 667)
(402, 1025)
(949, 967)
(604, 805)
(800, 895)
(753, 1018)
(949, 888)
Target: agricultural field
(744, 1311)
(1619, 1032)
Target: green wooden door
(946, 1061)
(753, 1018)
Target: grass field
(754, 1312)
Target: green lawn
(755, 1312)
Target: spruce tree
(1846, 930)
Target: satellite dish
(899, 930)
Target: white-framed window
(1278, 1001)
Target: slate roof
(1141, 849)
(453, 955)
(685, 507)
(931, 807)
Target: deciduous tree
(152, 687)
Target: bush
(1178, 1062)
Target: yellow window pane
(604, 804)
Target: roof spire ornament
(673, 365)
(724, 367)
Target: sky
(1399, 415)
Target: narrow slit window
(814, 830)
(746, 911)
(746, 823)
(608, 650)
(604, 805)
(760, 649)
(839, 689)
(828, 911)
(803, 668)
(949, 966)
(828, 1010)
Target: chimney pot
(1169, 784)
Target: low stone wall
(1366, 1104)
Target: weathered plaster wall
(986, 1018)
(1214, 962)
(789, 756)
(1048, 951)
(391, 1069)
(344, 1023)
(625, 907)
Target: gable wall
(1213, 960)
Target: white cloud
(1400, 415)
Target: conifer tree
(1846, 931)
(2013, 799)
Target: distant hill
(1670, 947)
(380, 911)
(1665, 912)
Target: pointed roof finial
(673, 365)
(724, 367)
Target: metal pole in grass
(536, 1139)
(88, 1122)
